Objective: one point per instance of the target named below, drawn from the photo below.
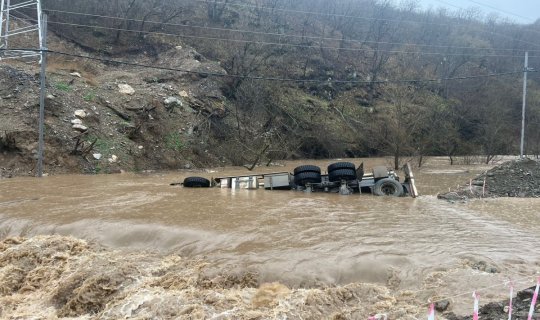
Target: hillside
(249, 82)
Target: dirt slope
(103, 118)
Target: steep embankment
(103, 118)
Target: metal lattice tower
(31, 25)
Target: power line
(281, 44)
(277, 34)
(500, 10)
(223, 75)
(359, 17)
(460, 8)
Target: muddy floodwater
(424, 247)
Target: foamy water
(404, 250)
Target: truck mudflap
(409, 182)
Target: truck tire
(307, 168)
(388, 187)
(304, 178)
(342, 174)
(196, 182)
(341, 165)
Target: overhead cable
(224, 75)
(285, 35)
(283, 44)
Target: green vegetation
(419, 83)
(173, 141)
(90, 96)
(62, 86)
(101, 145)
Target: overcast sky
(522, 11)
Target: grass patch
(90, 96)
(101, 146)
(173, 141)
(62, 86)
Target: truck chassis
(341, 177)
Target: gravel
(519, 178)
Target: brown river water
(421, 248)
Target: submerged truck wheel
(340, 166)
(304, 178)
(342, 174)
(307, 168)
(196, 182)
(388, 187)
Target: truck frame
(341, 177)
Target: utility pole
(43, 51)
(526, 70)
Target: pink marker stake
(431, 314)
(475, 314)
(510, 305)
(533, 302)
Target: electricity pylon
(8, 30)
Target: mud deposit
(54, 276)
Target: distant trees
(368, 42)
(112, 19)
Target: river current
(425, 246)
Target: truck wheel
(388, 187)
(304, 178)
(342, 174)
(341, 165)
(307, 168)
(196, 182)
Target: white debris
(76, 74)
(80, 113)
(80, 127)
(97, 156)
(113, 159)
(172, 101)
(126, 89)
(76, 121)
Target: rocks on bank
(499, 310)
(520, 178)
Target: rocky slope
(499, 310)
(103, 118)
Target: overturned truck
(341, 177)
